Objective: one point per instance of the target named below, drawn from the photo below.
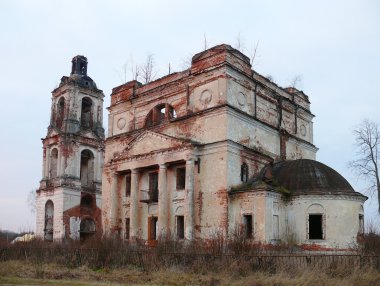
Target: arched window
(53, 164)
(244, 172)
(86, 113)
(49, 220)
(60, 112)
(87, 168)
(86, 201)
(159, 114)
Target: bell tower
(68, 200)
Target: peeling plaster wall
(226, 115)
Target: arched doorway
(49, 220)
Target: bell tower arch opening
(53, 164)
(87, 168)
(60, 113)
(49, 220)
(86, 113)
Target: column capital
(134, 171)
(163, 166)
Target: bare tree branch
(367, 145)
(148, 70)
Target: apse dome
(306, 176)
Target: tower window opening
(87, 168)
(60, 113)
(86, 201)
(244, 172)
(54, 164)
(86, 114)
(49, 220)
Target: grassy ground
(26, 273)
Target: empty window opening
(315, 226)
(181, 178)
(49, 220)
(128, 185)
(53, 164)
(361, 224)
(153, 186)
(276, 227)
(87, 168)
(87, 228)
(86, 114)
(248, 226)
(180, 227)
(82, 68)
(60, 112)
(244, 173)
(127, 228)
(159, 114)
(152, 228)
(86, 201)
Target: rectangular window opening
(248, 226)
(153, 186)
(361, 224)
(276, 227)
(180, 221)
(127, 228)
(128, 185)
(315, 226)
(181, 178)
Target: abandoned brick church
(214, 148)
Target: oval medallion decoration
(121, 123)
(241, 98)
(206, 97)
(303, 130)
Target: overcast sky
(333, 45)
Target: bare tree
(31, 201)
(296, 81)
(204, 41)
(253, 53)
(367, 143)
(147, 70)
(240, 44)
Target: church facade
(214, 149)
(68, 201)
(185, 159)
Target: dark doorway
(152, 228)
(315, 226)
(248, 230)
(180, 227)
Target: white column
(162, 203)
(134, 205)
(47, 166)
(44, 160)
(189, 201)
(114, 202)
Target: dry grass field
(28, 273)
(216, 262)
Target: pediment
(151, 142)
